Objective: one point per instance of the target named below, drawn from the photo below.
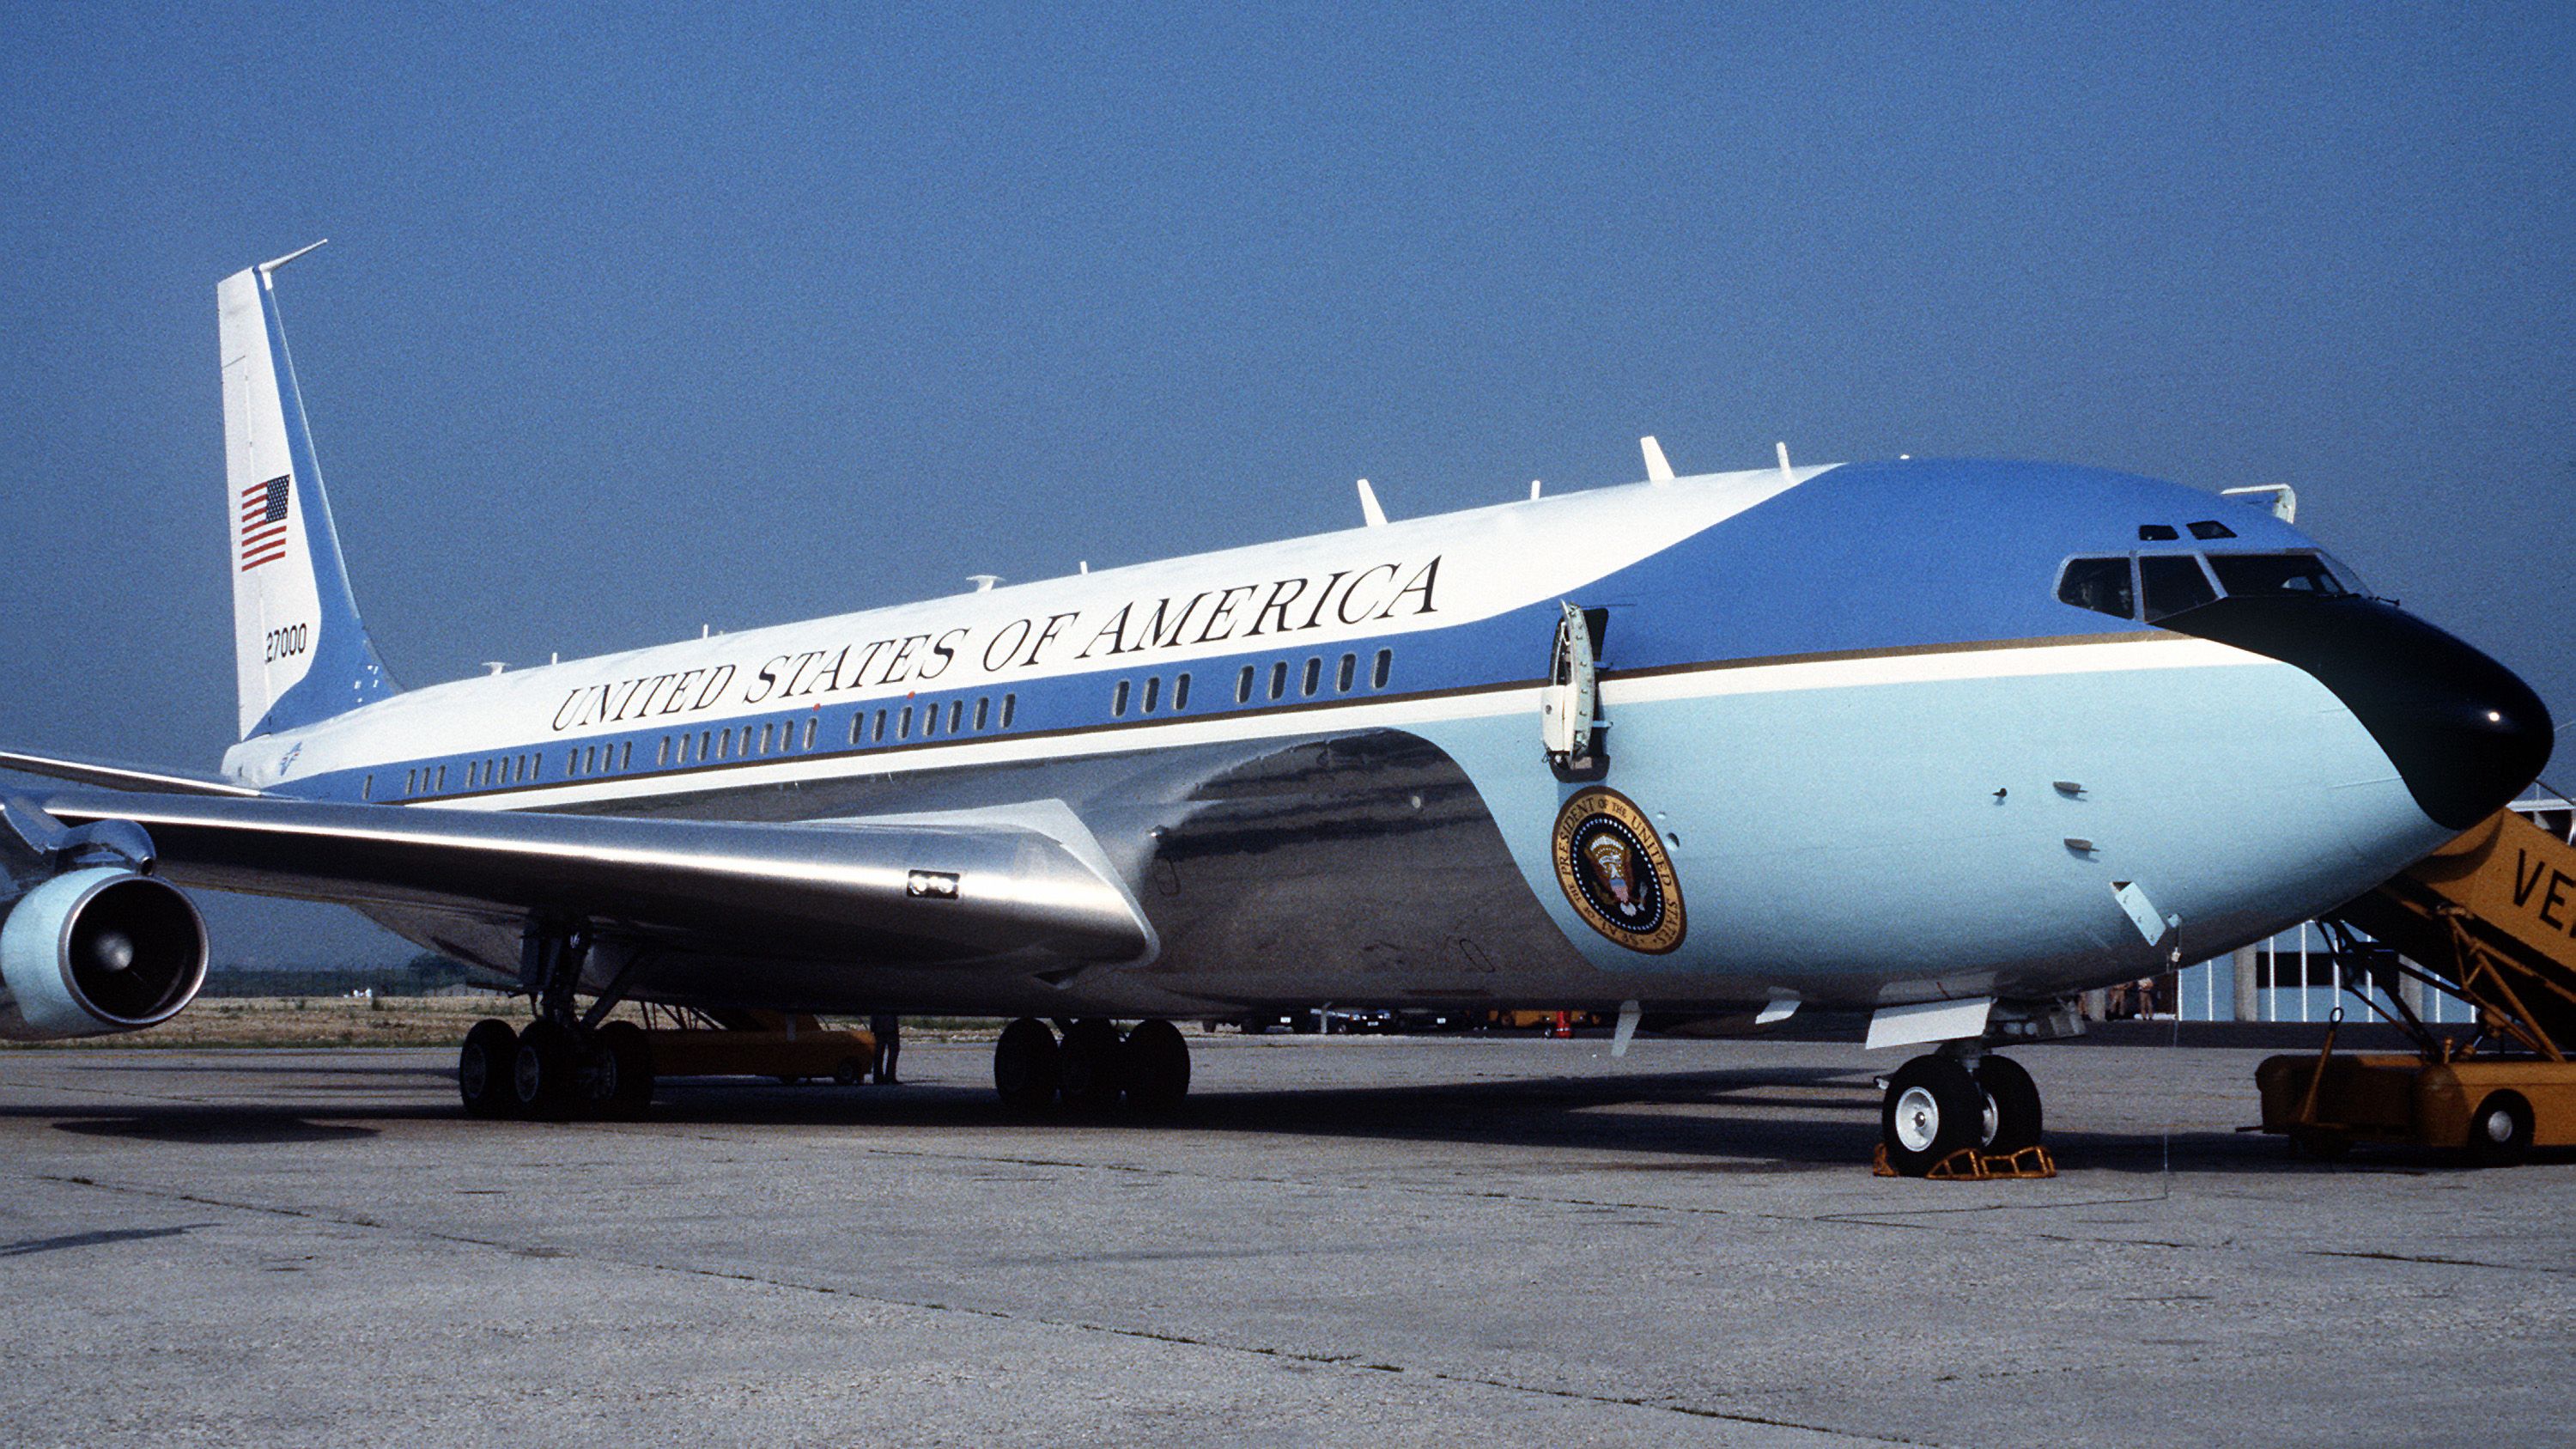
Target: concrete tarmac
(1377, 1240)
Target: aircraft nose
(2465, 733)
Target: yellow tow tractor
(2488, 918)
(746, 1043)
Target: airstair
(2490, 918)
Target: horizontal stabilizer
(114, 777)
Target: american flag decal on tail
(263, 522)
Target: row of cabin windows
(748, 742)
(1247, 682)
(897, 722)
(1310, 680)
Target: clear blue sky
(633, 322)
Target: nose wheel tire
(1933, 1108)
(483, 1067)
(2012, 1104)
(1155, 1061)
(1027, 1065)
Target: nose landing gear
(1941, 1105)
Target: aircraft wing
(894, 893)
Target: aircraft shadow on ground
(1726, 1121)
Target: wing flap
(864, 892)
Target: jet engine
(97, 945)
(95, 951)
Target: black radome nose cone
(2465, 733)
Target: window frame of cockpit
(2334, 568)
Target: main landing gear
(564, 1064)
(1092, 1067)
(1937, 1105)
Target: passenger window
(929, 720)
(442, 779)
(1180, 693)
(626, 755)
(877, 733)
(1010, 707)
(1153, 693)
(956, 714)
(367, 788)
(1314, 676)
(1118, 701)
(590, 760)
(858, 726)
(724, 745)
(2299, 575)
(1243, 686)
(903, 723)
(983, 712)
(2099, 584)
(1348, 672)
(2173, 583)
(411, 782)
(706, 742)
(1385, 665)
(1279, 679)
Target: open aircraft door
(1571, 729)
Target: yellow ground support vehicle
(2491, 917)
(758, 1044)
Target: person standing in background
(887, 1028)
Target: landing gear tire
(2012, 1105)
(625, 1071)
(1090, 1080)
(1933, 1108)
(483, 1068)
(1027, 1065)
(2500, 1131)
(851, 1072)
(544, 1073)
(1155, 1060)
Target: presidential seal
(1615, 872)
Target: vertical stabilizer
(300, 652)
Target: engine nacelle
(96, 950)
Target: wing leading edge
(897, 894)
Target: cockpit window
(2173, 582)
(2211, 528)
(2304, 575)
(2099, 584)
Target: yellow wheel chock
(1969, 1165)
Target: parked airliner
(1946, 741)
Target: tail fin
(300, 652)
